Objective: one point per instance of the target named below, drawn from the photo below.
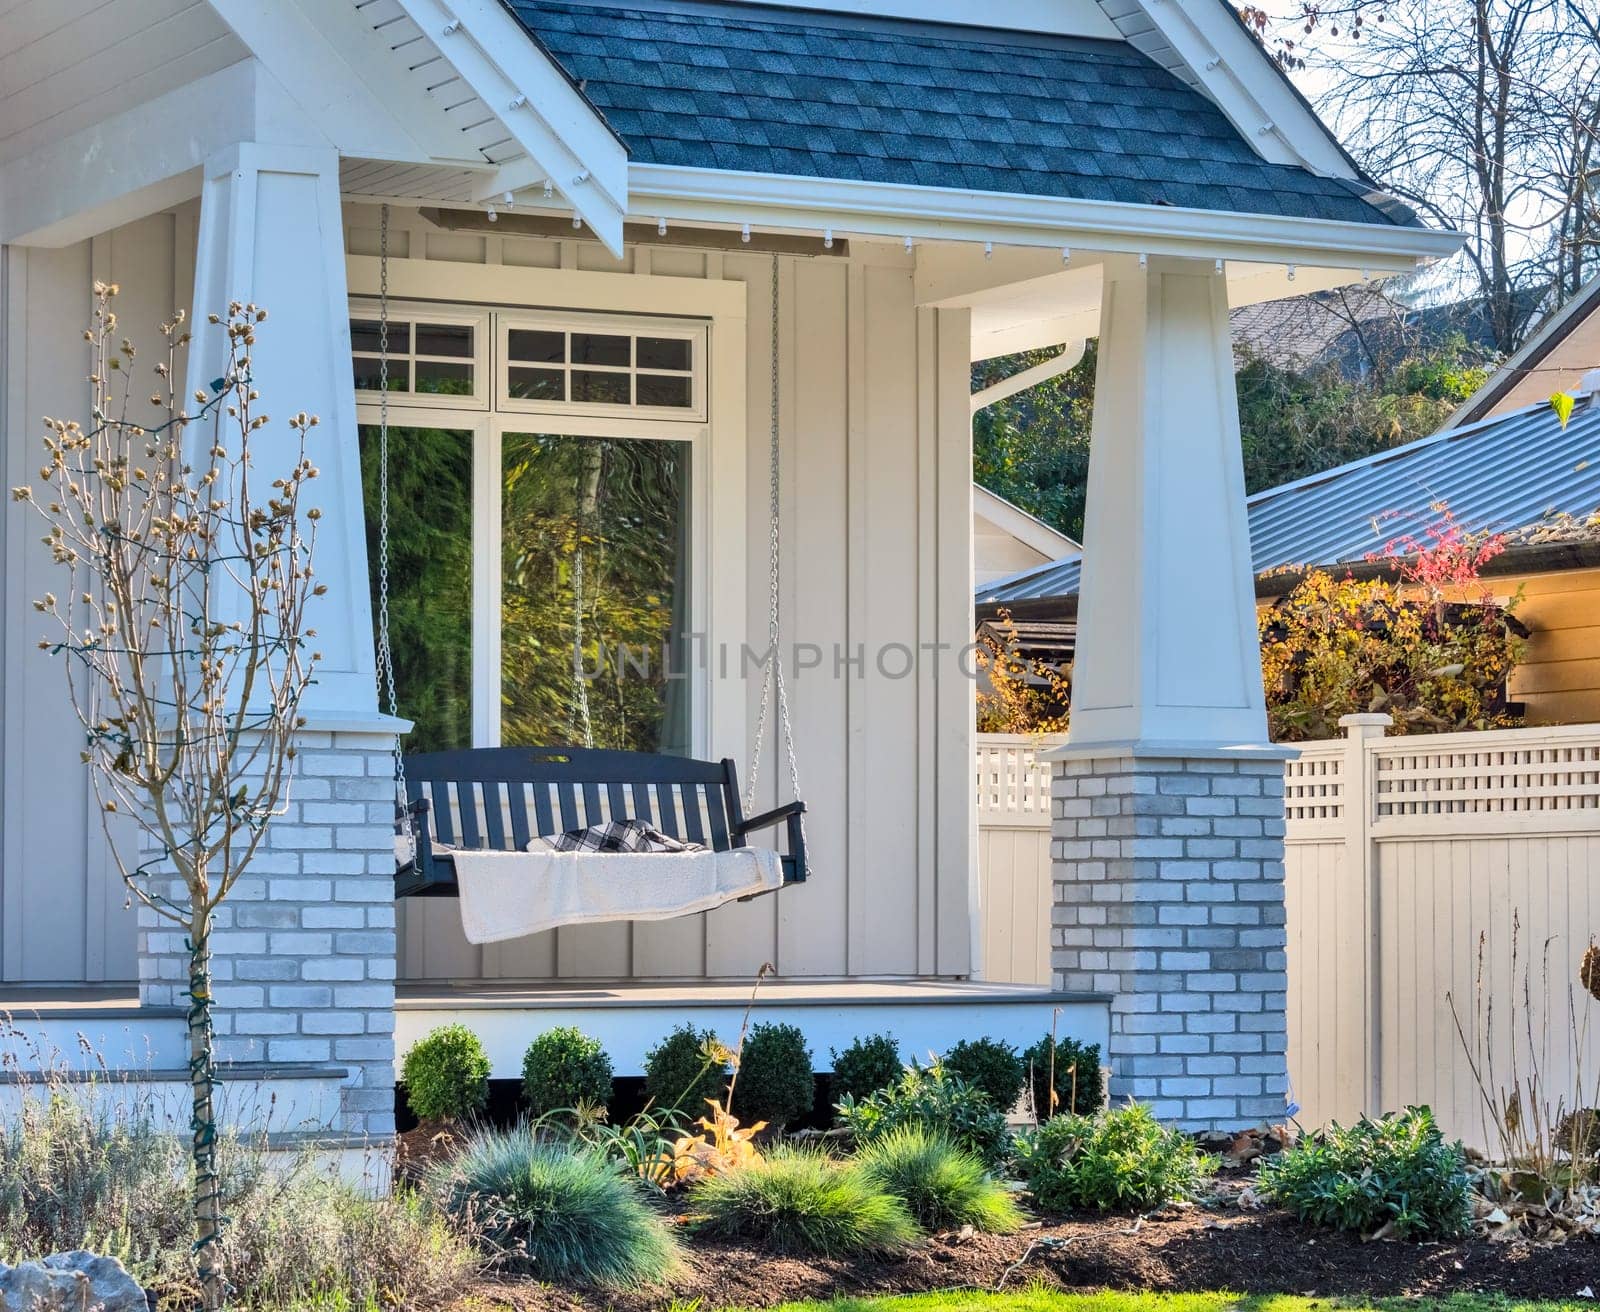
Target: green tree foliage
(1033, 448)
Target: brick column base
(1168, 882)
(303, 950)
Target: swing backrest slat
(480, 798)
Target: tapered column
(1168, 801)
(1167, 653)
(271, 232)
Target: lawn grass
(1044, 1300)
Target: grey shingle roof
(760, 90)
(1500, 475)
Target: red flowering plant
(1429, 644)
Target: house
(1007, 540)
(696, 233)
(1518, 472)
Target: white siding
(62, 914)
(876, 466)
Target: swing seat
(500, 797)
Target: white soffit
(1202, 42)
(1058, 17)
(440, 99)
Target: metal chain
(773, 678)
(385, 649)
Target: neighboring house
(669, 238)
(1006, 539)
(1555, 359)
(1519, 473)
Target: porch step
(67, 1035)
(255, 1097)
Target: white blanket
(512, 894)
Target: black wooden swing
(498, 798)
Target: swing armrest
(794, 861)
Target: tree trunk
(202, 1123)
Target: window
(543, 571)
(594, 366)
(435, 358)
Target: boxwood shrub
(990, 1066)
(776, 1083)
(867, 1065)
(446, 1075)
(565, 1068)
(678, 1073)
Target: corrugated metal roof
(1499, 475)
(829, 95)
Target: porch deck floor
(801, 992)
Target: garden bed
(1216, 1245)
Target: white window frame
(722, 609)
(488, 427)
(479, 320)
(689, 330)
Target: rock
(70, 1282)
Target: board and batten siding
(877, 507)
(877, 514)
(63, 912)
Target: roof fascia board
(1232, 68)
(565, 138)
(938, 213)
(1552, 332)
(1028, 529)
(339, 71)
(137, 162)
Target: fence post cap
(1366, 720)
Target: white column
(1167, 647)
(271, 232)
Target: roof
(1027, 528)
(753, 89)
(1514, 474)
(1565, 347)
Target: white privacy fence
(1415, 868)
(1014, 857)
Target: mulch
(1216, 1245)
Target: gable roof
(1502, 475)
(752, 89)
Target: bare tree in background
(1483, 115)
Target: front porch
(559, 307)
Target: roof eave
(894, 211)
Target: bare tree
(183, 623)
(1482, 114)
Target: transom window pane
(430, 576)
(601, 367)
(435, 359)
(594, 594)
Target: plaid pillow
(614, 836)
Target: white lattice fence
(1013, 791)
(1425, 877)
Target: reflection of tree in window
(430, 576)
(594, 556)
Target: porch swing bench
(499, 798)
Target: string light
(549, 189)
(577, 220)
(908, 245)
(1144, 260)
(1066, 255)
(827, 239)
(1219, 264)
(493, 217)
(988, 250)
(744, 233)
(1291, 273)
(661, 226)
